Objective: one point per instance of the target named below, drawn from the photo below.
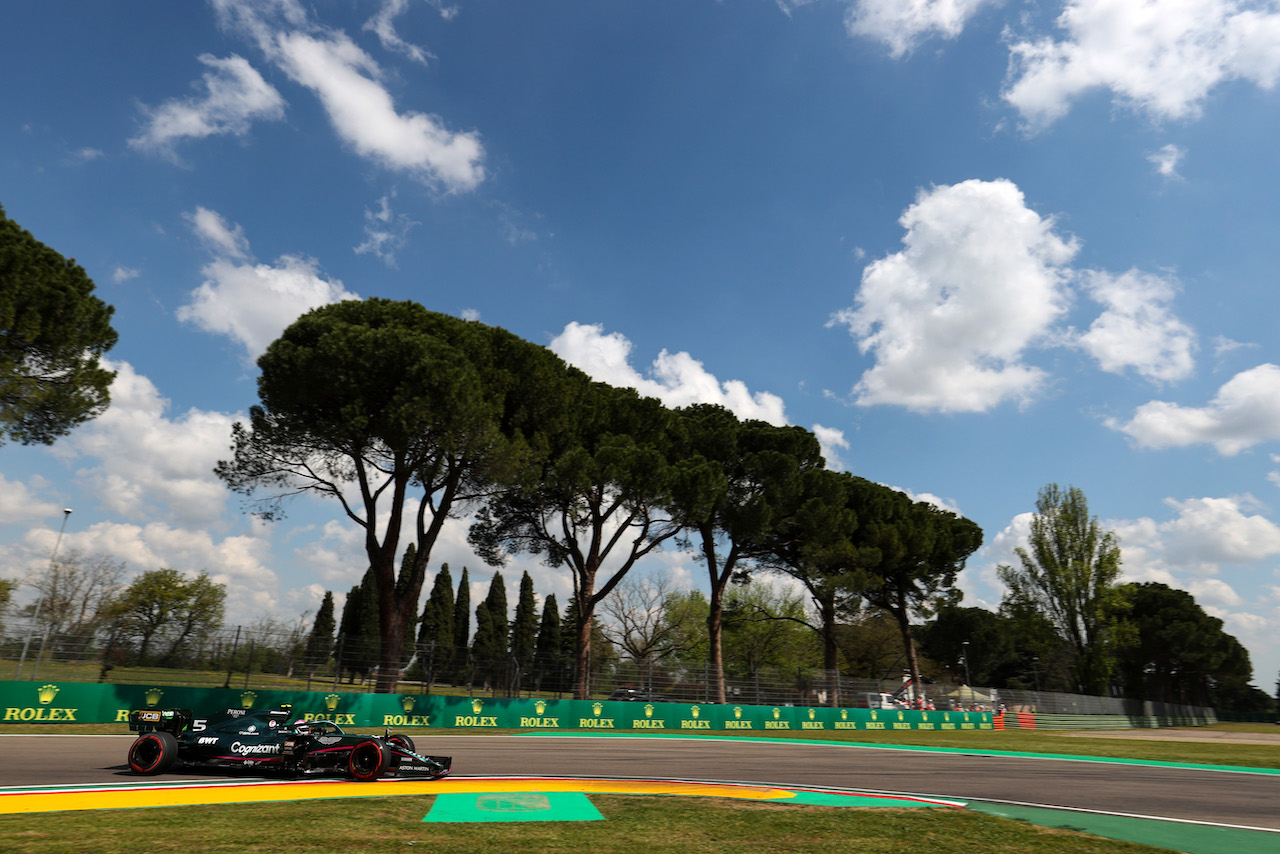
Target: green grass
(632, 824)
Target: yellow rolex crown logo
(246, 699)
(406, 703)
(47, 693)
(153, 696)
(737, 712)
(901, 716)
(648, 710)
(812, 714)
(540, 706)
(695, 711)
(476, 705)
(844, 714)
(331, 701)
(597, 708)
(777, 713)
(874, 714)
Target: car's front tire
(153, 753)
(368, 761)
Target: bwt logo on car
(241, 749)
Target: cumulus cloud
(1211, 531)
(232, 96)
(349, 84)
(948, 319)
(18, 503)
(146, 464)
(1138, 329)
(122, 274)
(677, 379)
(832, 441)
(902, 24)
(1245, 412)
(250, 302)
(1161, 57)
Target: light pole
(965, 652)
(53, 557)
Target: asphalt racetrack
(1185, 793)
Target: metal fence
(256, 657)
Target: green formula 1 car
(271, 740)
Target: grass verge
(650, 824)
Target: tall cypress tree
(548, 657)
(403, 584)
(320, 641)
(435, 637)
(489, 649)
(524, 628)
(462, 629)
(358, 638)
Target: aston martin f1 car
(271, 740)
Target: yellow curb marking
(135, 797)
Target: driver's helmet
(300, 726)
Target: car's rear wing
(169, 720)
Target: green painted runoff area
(1180, 836)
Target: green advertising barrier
(80, 702)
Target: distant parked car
(636, 695)
(879, 701)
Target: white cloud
(1203, 536)
(902, 24)
(383, 25)
(832, 441)
(122, 274)
(677, 379)
(385, 232)
(1161, 57)
(362, 112)
(252, 303)
(1210, 531)
(1245, 412)
(1166, 160)
(146, 464)
(18, 503)
(348, 83)
(948, 318)
(1137, 330)
(1214, 593)
(221, 237)
(234, 95)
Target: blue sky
(977, 246)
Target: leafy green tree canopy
(399, 414)
(53, 334)
(1069, 574)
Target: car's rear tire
(153, 753)
(368, 761)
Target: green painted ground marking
(1189, 838)
(835, 799)
(513, 806)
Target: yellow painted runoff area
(134, 797)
